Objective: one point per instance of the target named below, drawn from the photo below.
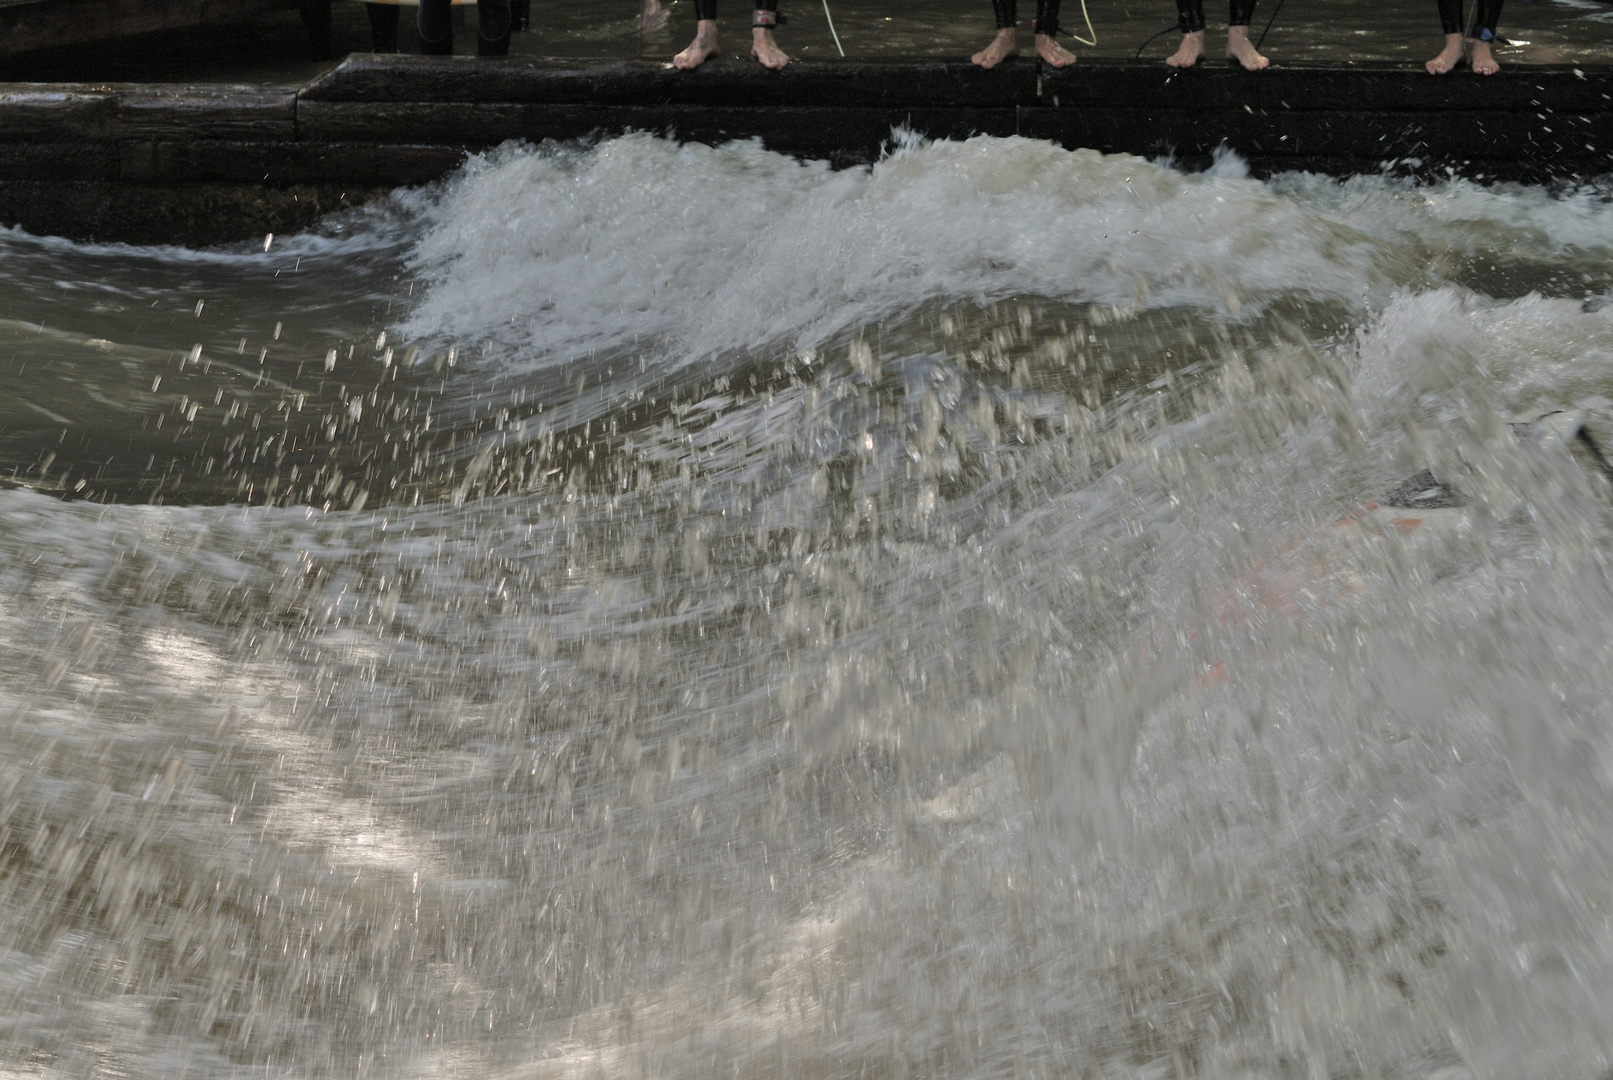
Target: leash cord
(1269, 21)
(831, 20)
(1094, 42)
(1150, 40)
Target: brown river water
(657, 611)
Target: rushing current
(643, 610)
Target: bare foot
(1002, 47)
(1051, 52)
(1448, 57)
(1241, 49)
(1482, 61)
(1188, 52)
(652, 15)
(765, 49)
(701, 49)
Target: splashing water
(648, 610)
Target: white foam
(557, 251)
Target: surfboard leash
(1077, 37)
(1149, 40)
(831, 20)
(1269, 21)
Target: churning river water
(658, 611)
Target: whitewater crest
(711, 249)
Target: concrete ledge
(194, 214)
(928, 83)
(374, 123)
(38, 113)
(920, 83)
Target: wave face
(655, 610)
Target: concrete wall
(200, 164)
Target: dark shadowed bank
(202, 164)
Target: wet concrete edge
(210, 164)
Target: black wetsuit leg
(1488, 13)
(1190, 14)
(705, 10)
(1047, 18)
(316, 20)
(383, 27)
(770, 6)
(1006, 14)
(434, 23)
(493, 23)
